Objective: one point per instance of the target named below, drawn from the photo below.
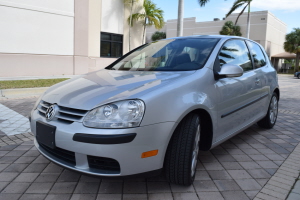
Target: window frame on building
(111, 41)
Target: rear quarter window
(257, 54)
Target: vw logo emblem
(50, 113)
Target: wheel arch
(277, 92)
(206, 136)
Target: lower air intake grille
(109, 165)
(65, 155)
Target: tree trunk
(296, 68)
(180, 18)
(248, 22)
(130, 24)
(143, 40)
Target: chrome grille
(64, 114)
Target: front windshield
(169, 55)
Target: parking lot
(236, 169)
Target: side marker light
(149, 153)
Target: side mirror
(229, 71)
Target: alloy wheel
(195, 151)
(273, 110)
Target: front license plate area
(45, 134)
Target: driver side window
(235, 52)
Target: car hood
(104, 86)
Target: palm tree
(151, 15)
(292, 45)
(130, 3)
(230, 29)
(158, 36)
(236, 5)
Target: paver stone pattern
(236, 169)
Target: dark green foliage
(292, 45)
(230, 29)
(158, 36)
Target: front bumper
(128, 155)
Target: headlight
(38, 102)
(121, 114)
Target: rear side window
(235, 52)
(257, 54)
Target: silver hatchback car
(154, 108)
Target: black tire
(298, 75)
(267, 121)
(180, 152)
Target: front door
(237, 96)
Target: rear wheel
(298, 75)
(270, 119)
(182, 154)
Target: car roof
(208, 36)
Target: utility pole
(180, 18)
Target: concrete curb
(21, 92)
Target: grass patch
(30, 83)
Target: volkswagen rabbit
(153, 109)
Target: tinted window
(111, 45)
(235, 52)
(169, 55)
(258, 56)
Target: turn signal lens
(149, 153)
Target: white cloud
(289, 5)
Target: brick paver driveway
(236, 169)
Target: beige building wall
(265, 29)
(276, 32)
(54, 37)
(36, 35)
(114, 15)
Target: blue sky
(287, 11)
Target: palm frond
(292, 43)
(135, 17)
(202, 3)
(233, 8)
(240, 14)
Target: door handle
(257, 81)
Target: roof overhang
(285, 55)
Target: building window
(111, 45)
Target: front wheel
(270, 119)
(182, 154)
